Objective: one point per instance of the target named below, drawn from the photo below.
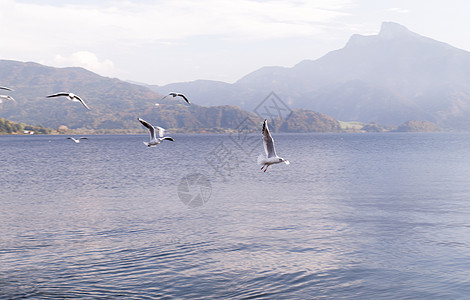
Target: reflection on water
(354, 216)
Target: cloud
(398, 10)
(85, 60)
(170, 20)
(231, 19)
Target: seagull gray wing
(268, 141)
(149, 127)
(168, 138)
(58, 95)
(5, 88)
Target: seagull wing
(268, 141)
(184, 97)
(7, 97)
(83, 138)
(81, 101)
(5, 88)
(168, 138)
(58, 95)
(149, 127)
(161, 131)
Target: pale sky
(161, 42)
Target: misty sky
(160, 42)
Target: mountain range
(116, 105)
(388, 78)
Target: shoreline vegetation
(9, 127)
(14, 128)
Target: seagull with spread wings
(173, 94)
(154, 141)
(271, 156)
(77, 140)
(71, 97)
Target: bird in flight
(271, 156)
(71, 96)
(154, 140)
(173, 94)
(77, 140)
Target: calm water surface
(355, 216)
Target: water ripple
(379, 216)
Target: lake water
(354, 216)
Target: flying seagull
(6, 97)
(77, 140)
(71, 96)
(5, 88)
(271, 156)
(177, 95)
(154, 141)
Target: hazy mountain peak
(390, 30)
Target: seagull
(154, 141)
(6, 97)
(5, 88)
(77, 140)
(271, 156)
(71, 96)
(177, 95)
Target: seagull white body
(271, 156)
(5, 88)
(6, 97)
(154, 140)
(71, 96)
(77, 140)
(173, 94)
